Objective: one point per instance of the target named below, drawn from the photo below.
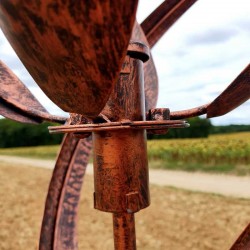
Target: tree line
(14, 134)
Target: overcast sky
(196, 59)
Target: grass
(227, 153)
(40, 152)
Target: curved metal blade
(188, 113)
(243, 242)
(59, 224)
(65, 236)
(233, 96)
(10, 112)
(18, 103)
(150, 74)
(163, 17)
(74, 51)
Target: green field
(227, 153)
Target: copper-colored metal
(8, 111)
(33, 113)
(124, 125)
(158, 114)
(65, 234)
(12, 89)
(124, 228)
(71, 48)
(188, 113)
(243, 242)
(75, 53)
(163, 17)
(18, 103)
(233, 96)
(54, 193)
(150, 74)
(58, 230)
(117, 174)
(120, 165)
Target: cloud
(212, 36)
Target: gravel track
(226, 185)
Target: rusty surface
(138, 50)
(54, 193)
(58, 230)
(18, 103)
(120, 161)
(71, 47)
(14, 114)
(158, 114)
(13, 90)
(243, 242)
(150, 74)
(120, 166)
(124, 228)
(68, 49)
(163, 17)
(35, 114)
(188, 113)
(65, 236)
(233, 96)
(123, 125)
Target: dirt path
(226, 185)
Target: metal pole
(120, 156)
(124, 231)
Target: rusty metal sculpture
(108, 81)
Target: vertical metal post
(120, 156)
(124, 231)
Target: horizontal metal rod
(117, 126)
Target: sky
(199, 56)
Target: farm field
(176, 219)
(227, 153)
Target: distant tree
(198, 128)
(229, 129)
(14, 134)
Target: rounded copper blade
(18, 103)
(163, 17)
(233, 96)
(150, 74)
(74, 50)
(11, 113)
(13, 89)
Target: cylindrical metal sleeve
(121, 171)
(120, 156)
